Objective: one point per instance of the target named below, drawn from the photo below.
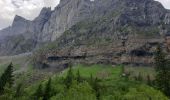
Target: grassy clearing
(110, 72)
(143, 71)
(111, 85)
(99, 71)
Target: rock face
(65, 15)
(86, 22)
(22, 36)
(117, 32)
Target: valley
(88, 50)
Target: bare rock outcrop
(77, 22)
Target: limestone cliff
(75, 22)
(23, 34)
(65, 15)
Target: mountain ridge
(50, 25)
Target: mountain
(91, 29)
(23, 34)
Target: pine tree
(149, 82)
(140, 78)
(38, 93)
(91, 78)
(19, 91)
(10, 75)
(160, 60)
(7, 77)
(78, 77)
(163, 71)
(69, 78)
(8, 93)
(96, 87)
(47, 91)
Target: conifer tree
(69, 78)
(19, 91)
(160, 60)
(78, 77)
(10, 75)
(47, 91)
(149, 82)
(38, 93)
(7, 77)
(8, 93)
(91, 80)
(140, 78)
(96, 87)
(163, 71)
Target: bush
(82, 91)
(144, 92)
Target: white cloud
(28, 9)
(166, 3)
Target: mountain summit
(99, 18)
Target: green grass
(100, 71)
(112, 86)
(2, 68)
(111, 76)
(143, 71)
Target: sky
(30, 9)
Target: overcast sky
(31, 8)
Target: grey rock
(22, 34)
(87, 20)
(65, 15)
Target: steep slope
(22, 35)
(89, 21)
(118, 31)
(65, 15)
(48, 26)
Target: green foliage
(113, 88)
(143, 92)
(82, 91)
(78, 77)
(47, 93)
(160, 60)
(140, 78)
(149, 81)
(163, 71)
(145, 71)
(69, 78)
(122, 69)
(8, 93)
(100, 71)
(9, 75)
(91, 80)
(96, 87)
(6, 78)
(19, 91)
(85, 86)
(38, 93)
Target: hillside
(96, 82)
(88, 50)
